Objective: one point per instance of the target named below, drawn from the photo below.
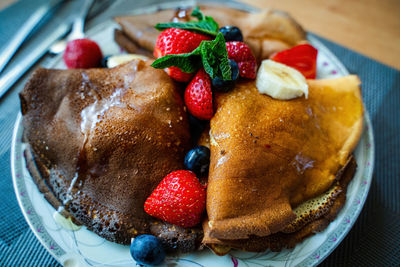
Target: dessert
(91, 131)
(107, 146)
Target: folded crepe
(269, 156)
(266, 32)
(101, 140)
(312, 216)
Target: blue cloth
(374, 239)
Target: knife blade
(11, 76)
(19, 37)
(30, 52)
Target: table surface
(370, 27)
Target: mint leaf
(205, 24)
(197, 14)
(215, 58)
(187, 62)
(212, 54)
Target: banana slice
(280, 81)
(116, 60)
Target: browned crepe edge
(277, 242)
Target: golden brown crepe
(268, 156)
(266, 32)
(102, 140)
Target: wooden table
(371, 27)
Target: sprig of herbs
(205, 24)
(211, 54)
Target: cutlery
(15, 42)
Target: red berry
(177, 41)
(241, 53)
(179, 199)
(301, 57)
(198, 96)
(83, 54)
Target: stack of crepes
(101, 140)
(279, 169)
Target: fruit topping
(198, 96)
(178, 41)
(301, 57)
(179, 199)
(222, 85)
(197, 160)
(280, 81)
(231, 33)
(82, 54)
(241, 53)
(204, 24)
(147, 250)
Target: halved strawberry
(198, 96)
(241, 53)
(179, 199)
(302, 57)
(177, 41)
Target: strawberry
(177, 41)
(179, 199)
(241, 53)
(198, 96)
(82, 53)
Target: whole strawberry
(82, 54)
(177, 41)
(179, 199)
(198, 96)
(241, 53)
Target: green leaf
(215, 58)
(205, 24)
(197, 13)
(187, 62)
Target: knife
(14, 43)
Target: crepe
(266, 32)
(101, 140)
(268, 156)
(309, 220)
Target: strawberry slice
(301, 57)
(179, 199)
(177, 41)
(198, 96)
(241, 53)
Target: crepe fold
(101, 141)
(266, 32)
(268, 156)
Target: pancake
(92, 138)
(324, 211)
(268, 156)
(266, 32)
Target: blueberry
(147, 250)
(104, 60)
(196, 127)
(224, 86)
(231, 33)
(198, 160)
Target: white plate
(84, 248)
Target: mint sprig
(212, 54)
(205, 24)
